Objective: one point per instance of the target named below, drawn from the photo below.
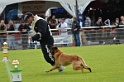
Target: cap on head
(27, 15)
(63, 19)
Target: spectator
(11, 27)
(52, 22)
(107, 22)
(69, 23)
(99, 22)
(75, 31)
(93, 21)
(3, 30)
(113, 30)
(62, 27)
(116, 22)
(24, 28)
(87, 22)
(122, 20)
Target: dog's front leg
(53, 68)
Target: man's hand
(75, 29)
(59, 28)
(24, 30)
(30, 38)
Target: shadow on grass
(64, 73)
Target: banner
(63, 39)
(36, 7)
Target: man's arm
(41, 27)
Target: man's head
(74, 18)
(28, 17)
(2, 22)
(53, 17)
(122, 18)
(62, 20)
(99, 19)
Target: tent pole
(76, 8)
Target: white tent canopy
(73, 2)
(69, 5)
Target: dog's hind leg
(77, 66)
(86, 67)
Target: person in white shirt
(69, 22)
(62, 27)
(87, 21)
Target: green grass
(106, 63)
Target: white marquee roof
(3, 3)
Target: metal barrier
(102, 36)
(60, 40)
(88, 36)
(15, 40)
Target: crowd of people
(87, 21)
(63, 23)
(55, 23)
(11, 37)
(99, 22)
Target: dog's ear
(55, 48)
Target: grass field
(106, 63)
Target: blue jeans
(76, 39)
(2, 39)
(12, 43)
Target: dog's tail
(84, 65)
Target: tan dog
(62, 59)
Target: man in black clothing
(42, 34)
(75, 31)
(99, 22)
